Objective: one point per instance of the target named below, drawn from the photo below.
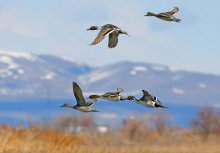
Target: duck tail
(95, 110)
(159, 105)
(94, 96)
(150, 14)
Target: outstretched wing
(113, 39)
(175, 9)
(147, 96)
(78, 95)
(101, 35)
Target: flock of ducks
(114, 31)
(147, 100)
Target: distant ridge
(26, 75)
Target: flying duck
(81, 105)
(110, 29)
(111, 96)
(147, 100)
(167, 16)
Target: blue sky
(59, 28)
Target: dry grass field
(81, 134)
(35, 140)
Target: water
(33, 110)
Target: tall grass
(36, 140)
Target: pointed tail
(159, 105)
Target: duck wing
(78, 95)
(113, 39)
(170, 13)
(104, 31)
(147, 96)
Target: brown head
(67, 105)
(93, 28)
(150, 14)
(131, 98)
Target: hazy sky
(59, 28)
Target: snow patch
(77, 62)
(9, 61)
(20, 71)
(94, 77)
(5, 73)
(202, 85)
(16, 54)
(138, 69)
(172, 69)
(176, 77)
(48, 76)
(178, 91)
(159, 68)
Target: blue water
(24, 111)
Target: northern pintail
(147, 100)
(81, 105)
(111, 96)
(167, 16)
(110, 29)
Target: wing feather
(147, 95)
(101, 35)
(170, 13)
(113, 39)
(78, 95)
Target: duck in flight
(108, 29)
(167, 16)
(148, 100)
(111, 96)
(81, 105)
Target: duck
(167, 16)
(81, 105)
(108, 29)
(111, 96)
(147, 100)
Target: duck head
(66, 105)
(150, 14)
(93, 28)
(131, 98)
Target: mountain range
(30, 76)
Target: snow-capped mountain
(25, 75)
(168, 84)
